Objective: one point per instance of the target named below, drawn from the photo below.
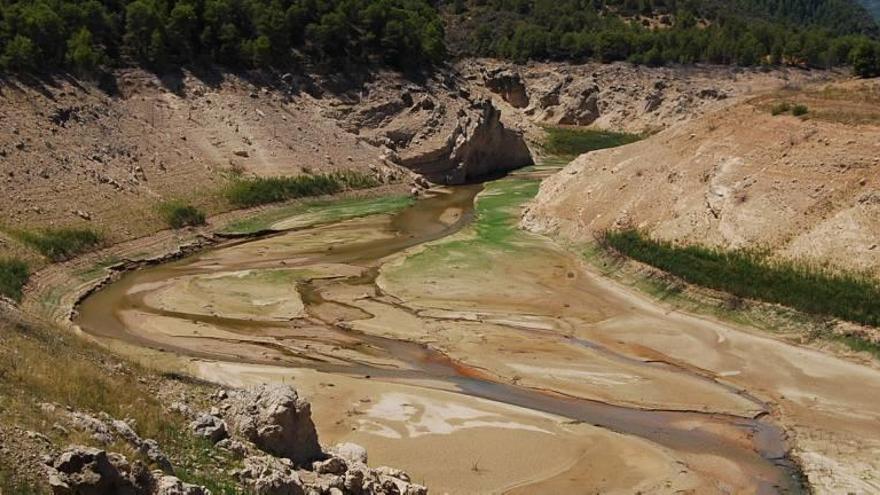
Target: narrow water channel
(321, 330)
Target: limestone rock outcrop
(276, 420)
(569, 102)
(509, 84)
(83, 470)
(479, 145)
(267, 475)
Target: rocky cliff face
(618, 96)
(437, 129)
(478, 146)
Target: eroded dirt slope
(620, 96)
(74, 154)
(806, 188)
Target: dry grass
(852, 103)
(39, 364)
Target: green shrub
(178, 214)
(780, 108)
(799, 110)
(13, 276)
(61, 244)
(807, 288)
(865, 58)
(264, 190)
(570, 142)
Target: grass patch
(98, 269)
(14, 275)
(780, 108)
(61, 244)
(809, 289)
(848, 104)
(8, 484)
(571, 141)
(859, 345)
(178, 214)
(784, 107)
(264, 190)
(799, 110)
(41, 364)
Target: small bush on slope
(13, 276)
(178, 214)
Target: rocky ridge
(269, 429)
(618, 96)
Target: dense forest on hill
(48, 34)
(817, 33)
(82, 35)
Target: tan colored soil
(803, 188)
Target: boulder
(83, 470)
(276, 420)
(170, 485)
(88, 471)
(350, 452)
(210, 427)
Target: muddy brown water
(763, 456)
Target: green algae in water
(494, 229)
(324, 211)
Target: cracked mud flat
(481, 358)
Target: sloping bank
(722, 185)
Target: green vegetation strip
(178, 214)
(264, 190)
(570, 142)
(13, 276)
(807, 288)
(61, 244)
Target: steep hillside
(748, 176)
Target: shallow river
(452, 308)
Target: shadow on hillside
(345, 80)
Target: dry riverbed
(481, 358)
